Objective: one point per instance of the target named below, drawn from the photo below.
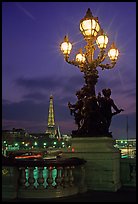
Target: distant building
(14, 133)
(127, 147)
(121, 143)
(66, 137)
(14, 139)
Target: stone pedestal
(103, 161)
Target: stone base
(47, 193)
(103, 161)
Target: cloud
(24, 110)
(64, 89)
(37, 83)
(50, 84)
(6, 102)
(36, 96)
(29, 126)
(32, 111)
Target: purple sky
(33, 66)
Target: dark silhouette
(106, 104)
(76, 109)
(93, 114)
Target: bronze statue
(93, 114)
(76, 109)
(106, 104)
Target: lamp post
(86, 110)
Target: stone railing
(128, 172)
(43, 179)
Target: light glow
(89, 27)
(113, 54)
(66, 46)
(80, 58)
(102, 41)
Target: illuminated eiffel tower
(51, 127)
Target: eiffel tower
(51, 127)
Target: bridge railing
(53, 178)
(43, 179)
(128, 172)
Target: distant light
(50, 168)
(73, 150)
(55, 142)
(4, 141)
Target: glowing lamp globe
(113, 53)
(66, 46)
(89, 25)
(102, 40)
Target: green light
(35, 143)
(44, 143)
(55, 142)
(16, 144)
(4, 141)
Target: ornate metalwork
(92, 112)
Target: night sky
(33, 66)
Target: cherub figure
(106, 104)
(75, 109)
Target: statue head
(106, 92)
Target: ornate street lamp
(87, 113)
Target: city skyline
(33, 67)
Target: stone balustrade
(43, 179)
(128, 172)
(54, 178)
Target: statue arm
(116, 108)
